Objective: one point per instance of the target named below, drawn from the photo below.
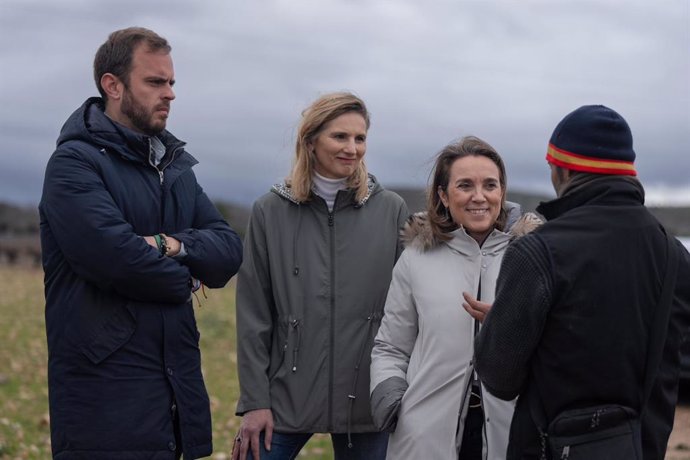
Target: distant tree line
(19, 242)
(19, 235)
(16, 220)
(675, 219)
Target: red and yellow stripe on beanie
(593, 139)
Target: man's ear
(112, 86)
(564, 175)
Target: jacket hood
(417, 231)
(90, 124)
(373, 187)
(594, 189)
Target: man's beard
(139, 116)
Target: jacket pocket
(113, 333)
(289, 338)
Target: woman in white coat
(423, 387)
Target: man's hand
(151, 241)
(477, 310)
(253, 423)
(173, 244)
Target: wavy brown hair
(439, 218)
(314, 119)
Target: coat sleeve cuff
(385, 402)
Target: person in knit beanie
(578, 319)
(593, 140)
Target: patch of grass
(24, 421)
(24, 431)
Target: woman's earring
(447, 214)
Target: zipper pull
(294, 323)
(566, 453)
(160, 174)
(330, 219)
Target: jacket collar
(90, 124)
(465, 244)
(283, 190)
(604, 190)
(417, 232)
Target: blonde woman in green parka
(320, 249)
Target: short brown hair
(115, 55)
(439, 221)
(314, 118)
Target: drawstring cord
(196, 285)
(351, 397)
(295, 350)
(295, 271)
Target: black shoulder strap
(657, 338)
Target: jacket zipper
(161, 178)
(331, 231)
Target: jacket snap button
(170, 371)
(172, 446)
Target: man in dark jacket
(127, 234)
(576, 299)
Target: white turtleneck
(328, 188)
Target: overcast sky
(429, 71)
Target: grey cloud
(505, 71)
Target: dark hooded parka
(124, 358)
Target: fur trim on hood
(417, 232)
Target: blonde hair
(314, 119)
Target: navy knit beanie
(593, 139)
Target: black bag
(608, 432)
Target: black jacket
(573, 312)
(122, 338)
